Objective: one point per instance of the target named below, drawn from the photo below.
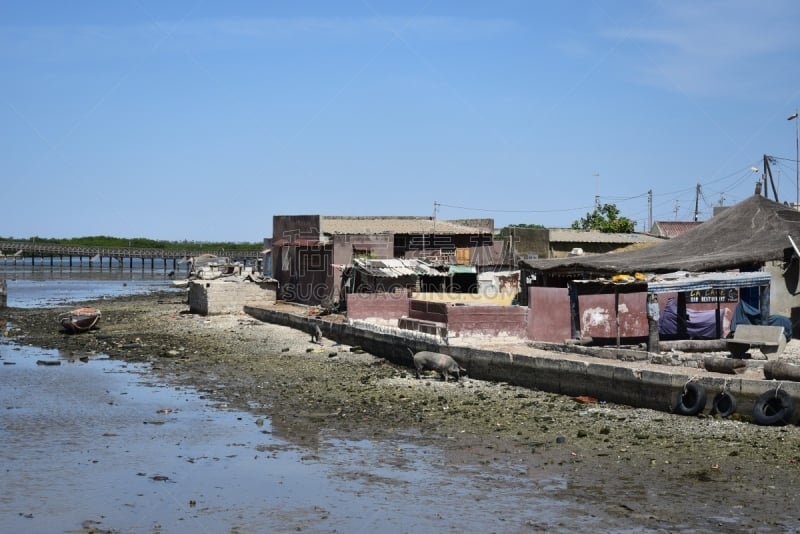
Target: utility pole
(793, 117)
(650, 210)
(675, 209)
(768, 172)
(697, 203)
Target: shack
(682, 284)
(754, 236)
(392, 275)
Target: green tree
(605, 218)
(527, 225)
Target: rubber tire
(691, 400)
(773, 407)
(723, 404)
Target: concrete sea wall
(607, 380)
(214, 297)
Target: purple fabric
(700, 324)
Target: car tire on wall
(773, 407)
(723, 404)
(691, 399)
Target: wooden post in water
(3, 294)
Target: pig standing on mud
(316, 333)
(441, 363)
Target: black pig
(441, 363)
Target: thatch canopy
(750, 233)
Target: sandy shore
(655, 466)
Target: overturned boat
(79, 320)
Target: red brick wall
(377, 305)
(428, 311)
(487, 320)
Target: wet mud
(586, 465)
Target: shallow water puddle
(96, 440)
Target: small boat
(210, 267)
(79, 320)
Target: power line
(513, 211)
(669, 198)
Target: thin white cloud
(720, 47)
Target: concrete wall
(292, 227)
(213, 297)
(785, 292)
(312, 280)
(384, 306)
(308, 279)
(529, 241)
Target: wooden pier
(70, 256)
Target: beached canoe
(79, 320)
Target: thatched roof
(752, 232)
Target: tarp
(748, 312)
(750, 233)
(700, 324)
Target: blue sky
(201, 120)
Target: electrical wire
(677, 198)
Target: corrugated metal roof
(393, 225)
(568, 235)
(672, 229)
(699, 281)
(396, 267)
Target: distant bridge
(13, 251)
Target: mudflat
(638, 468)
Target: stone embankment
(625, 376)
